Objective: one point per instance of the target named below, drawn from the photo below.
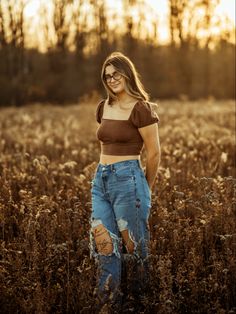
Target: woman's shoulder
(144, 113)
(144, 105)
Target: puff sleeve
(144, 115)
(99, 111)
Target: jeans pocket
(123, 174)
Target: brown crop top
(121, 137)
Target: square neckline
(119, 119)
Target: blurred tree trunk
(3, 39)
(102, 29)
(129, 40)
(81, 25)
(180, 43)
(185, 24)
(80, 20)
(61, 23)
(177, 8)
(58, 45)
(102, 34)
(209, 7)
(12, 45)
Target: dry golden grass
(48, 157)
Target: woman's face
(114, 80)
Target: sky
(157, 8)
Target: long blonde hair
(125, 66)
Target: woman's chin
(117, 90)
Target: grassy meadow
(48, 155)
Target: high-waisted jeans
(121, 200)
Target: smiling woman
(121, 191)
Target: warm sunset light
(157, 11)
(117, 156)
(186, 44)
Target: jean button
(103, 168)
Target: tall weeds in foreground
(48, 158)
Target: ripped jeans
(121, 202)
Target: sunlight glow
(227, 8)
(156, 12)
(161, 7)
(32, 8)
(32, 20)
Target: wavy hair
(126, 68)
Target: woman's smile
(115, 85)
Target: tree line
(79, 34)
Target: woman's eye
(115, 76)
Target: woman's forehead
(110, 69)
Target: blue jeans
(121, 200)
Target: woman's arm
(151, 140)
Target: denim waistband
(133, 163)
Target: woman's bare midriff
(110, 159)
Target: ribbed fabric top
(122, 137)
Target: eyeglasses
(116, 76)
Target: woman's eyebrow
(110, 73)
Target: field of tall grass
(48, 155)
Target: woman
(121, 192)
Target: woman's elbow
(154, 154)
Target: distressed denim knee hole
(103, 239)
(109, 243)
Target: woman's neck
(124, 98)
